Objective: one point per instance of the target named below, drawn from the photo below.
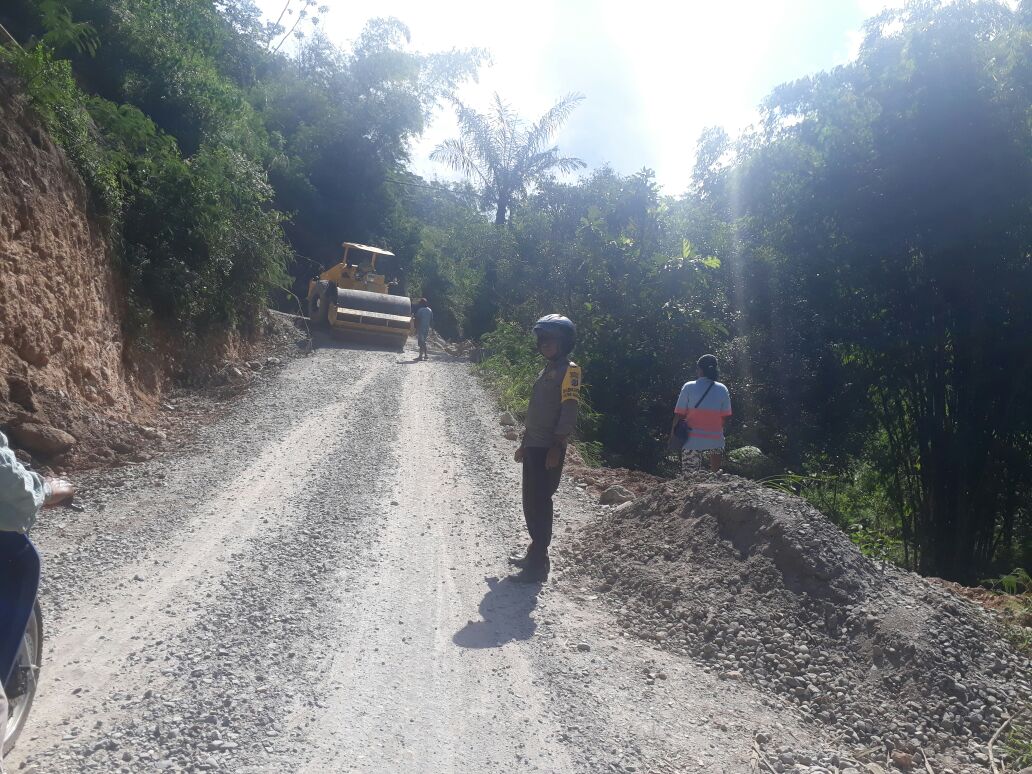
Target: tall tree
(888, 204)
(502, 155)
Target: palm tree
(502, 155)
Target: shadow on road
(506, 612)
(436, 357)
(325, 338)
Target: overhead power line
(451, 191)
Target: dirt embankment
(75, 390)
(62, 353)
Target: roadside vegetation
(1015, 606)
(1018, 744)
(225, 153)
(860, 259)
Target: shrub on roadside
(511, 367)
(51, 90)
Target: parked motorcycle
(21, 630)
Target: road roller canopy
(370, 254)
(374, 250)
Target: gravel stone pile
(762, 587)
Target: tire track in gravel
(430, 674)
(136, 644)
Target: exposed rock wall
(74, 392)
(62, 354)
(59, 316)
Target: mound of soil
(597, 480)
(760, 585)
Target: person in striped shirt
(704, 404)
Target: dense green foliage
(880, 253)
(602, 252)
(51, 87)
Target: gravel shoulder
(317, 582)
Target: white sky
(654, 73)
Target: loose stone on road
(324, 589)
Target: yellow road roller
(351, 296)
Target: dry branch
(758, 752)
(8, 36)
(1000, 730)
(989, 747)
(924, 757)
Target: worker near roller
(22, 494)
(423, 315)
(551, 418)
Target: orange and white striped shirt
(706, 421)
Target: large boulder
(750, 462)
(615, 495)
(41, 439)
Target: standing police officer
(551, 419)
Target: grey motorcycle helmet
(560, 327)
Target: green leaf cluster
(51, 89)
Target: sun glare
(654, 78)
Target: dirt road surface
(318, 583)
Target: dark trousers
(539, 484)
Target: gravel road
(317, 582)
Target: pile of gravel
(761, 586)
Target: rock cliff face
(62, 353)
(74, 391)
